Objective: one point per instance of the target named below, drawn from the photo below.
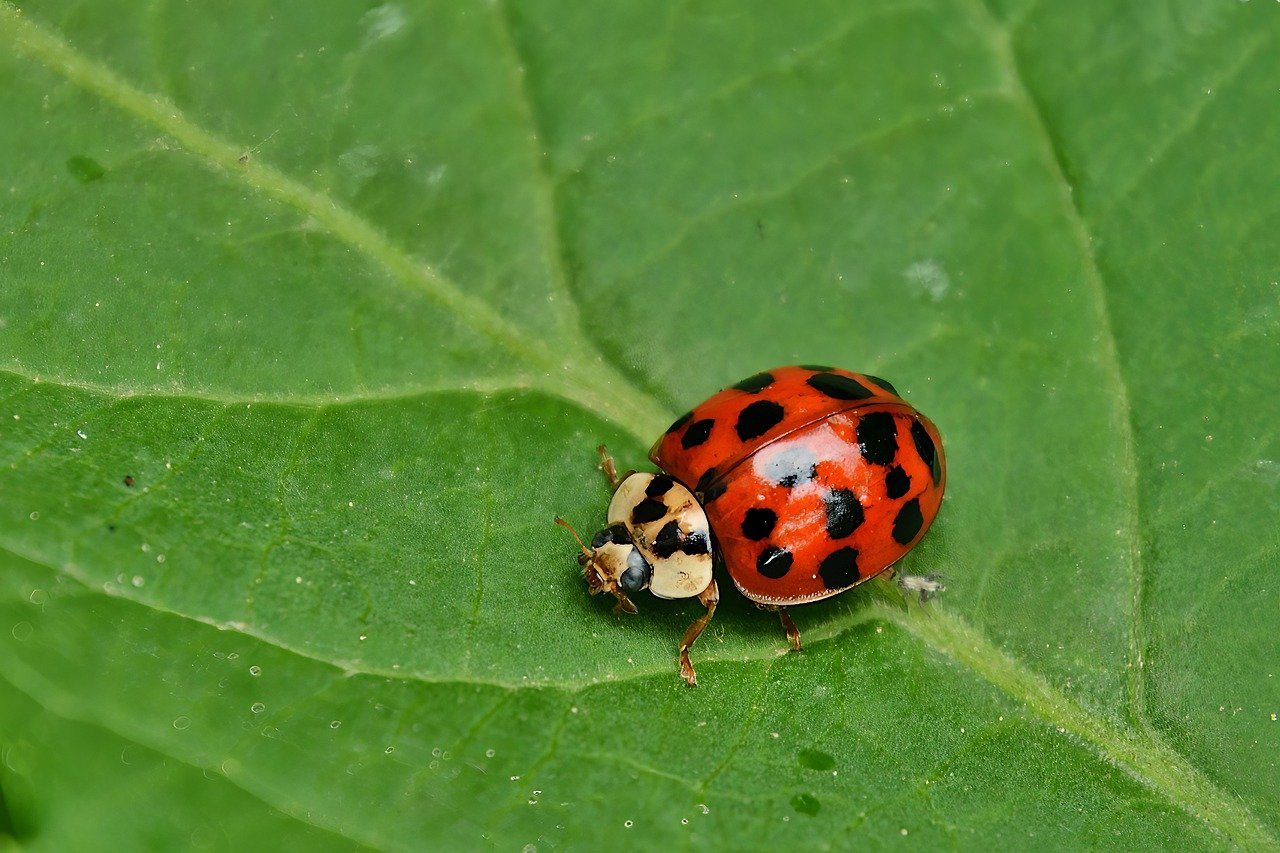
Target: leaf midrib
(598, 387)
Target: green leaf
(311, 318)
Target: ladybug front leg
(610, 469)
(709, 598)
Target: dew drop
(233, 656)
(38, 596)
(255, 670)
(35, 516)
(489, 753)
(182, 723)
(22, 631)
(684, 820)
(628, 824)
(703, 808)
(389, 750)
(335, 724)
(257, 707)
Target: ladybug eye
(636, 577)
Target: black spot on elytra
(774, 562)
(648, 510)
(908, 521)
(755, 384)
(924, 446)
(680, 421)
(696, 433)
(659, 486)
(791, 467)
(838, 387)
(696, 543)
(821, 368)
(844, 513)
(882, 383)
(668, 540)
(878, 437)
(758, 523)
(757, 419)
(896, 482)
(839, 569)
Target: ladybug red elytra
(806, 481)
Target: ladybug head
(613, 564)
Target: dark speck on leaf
(86, 170)
(128, 479)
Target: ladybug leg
(708, 598)
(610, 469)
(793, 633)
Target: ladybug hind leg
(708, 598)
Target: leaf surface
(312, 317)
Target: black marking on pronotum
(648, 510)
(878, 437)
(896, 482)
(839, 569)
(844, 513)
(790, 467)
(838, 387)
(774, 562)
(697, 432)
(613, 533)
(924, 446)
(758, 522)
(659, 486)
(757, 419)
(883, 383)
(668, 540)
(696, 543)
(908, 521)
(680, 421)
(755, 384)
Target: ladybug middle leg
(709, 598)
(793, 633)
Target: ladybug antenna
(560, 521)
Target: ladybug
(804, 481)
